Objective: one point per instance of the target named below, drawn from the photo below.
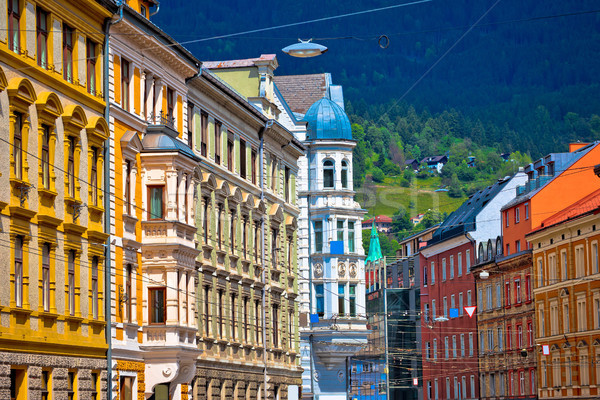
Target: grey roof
(302, 91)
(326, 120)
(462, 220)
(161, 142)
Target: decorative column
(171, 175)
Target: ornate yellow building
(52, 238)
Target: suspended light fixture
(304, 49)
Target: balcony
(161, 119)
(168, 232)
(169, 335)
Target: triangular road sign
(470, 310)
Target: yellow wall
(244, 80)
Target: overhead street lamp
(304, 49)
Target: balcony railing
(161, 119)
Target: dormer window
(328, 174)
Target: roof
(588, 205)
(248, 62)
(379, 219)
(434, 159)
(374, 246)
(420, 233)
(161, 141)
(410, 161)
(463, 219)
(326, 120)
(302, 91)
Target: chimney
(576, 146)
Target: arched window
(490, 251)
(498, 246)
(344, 174)
(481, 252)
(328, 174)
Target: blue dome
(327, 120)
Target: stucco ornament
(341, 270)
(353, 270)
(318, 270)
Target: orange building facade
(567, 301)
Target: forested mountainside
(526, 78)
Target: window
(530, 334)
(459, 260)
(581, 314)
(95, 288)
(452, 301)
(340, 230)
(126, 387)
(275, 325)
(522, 382)
(472, 386)
(245, 312)
(526, 210)
(341, 299)
(492, 384)
(540, 272)
(71, 281)
(579, 261)
(257, 322)
(204, 139)
(18, 146)
(94, 386)
(518, 246)
(446, 348)
(500, 338)
(46, 277)
(344, 174)
(426, 312)
(544, 375)
(125, 85)
(447, 388)
(443, 269)
(232, 234)
(91, 66)
(432, 273)
(518, 291)
(481, 342)
(456, 387)
(507, 293)
(464, 387)
(18, 249)
(528, 287)
(429, 390)
(42, 38)
(190, 123)
(220, 312)
(469, 298)
(425, 276)
(460, 304)
(498, 295)
(517, 215)
(218, 144)
(286, 184)
(46, 385)
(542, 326)
(128, 292)
(454, 354)
(445, 307)
(584, 367)
(170, 105)
(320, 299)
(328, 174)
(520, 336)
(491, 344)
(480, 298)
(462, 344)
(14, 33)
(435, 349)
(243, 163)
(595, 258)
(45, 161)
(509, 345)
(488, 292)
(427, 350)
(156, 200)
(71, 385)
(318, 227)
(158, 310)
(564, 265)
(433, 311)
(566, 319)
(68, 34)
(435, 382)
(71, 167)
(273, 173)
(468, 257)
(507, 249)
(94, 175)
(291, 327)
(352, 300)
(351, 246)
(506, 216)
(253, 161)
(451, 267)
(207, 303)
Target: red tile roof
(301, 91)
(589, 204)
(379, 219)
(248, 62)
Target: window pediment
(97, 131)
(236, 197)
(276, 213)
(3, 81)
(48, 107)
(74, 118)
(248, 200)
(131, 144)
(21, 93)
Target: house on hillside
(435, 162)
(412, 163)
(417, 219)
(383, 223)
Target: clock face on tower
(341, 270)
(318, 270)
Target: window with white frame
(579, 261)
(459, 264)
(581, 313)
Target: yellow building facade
(52, 250)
